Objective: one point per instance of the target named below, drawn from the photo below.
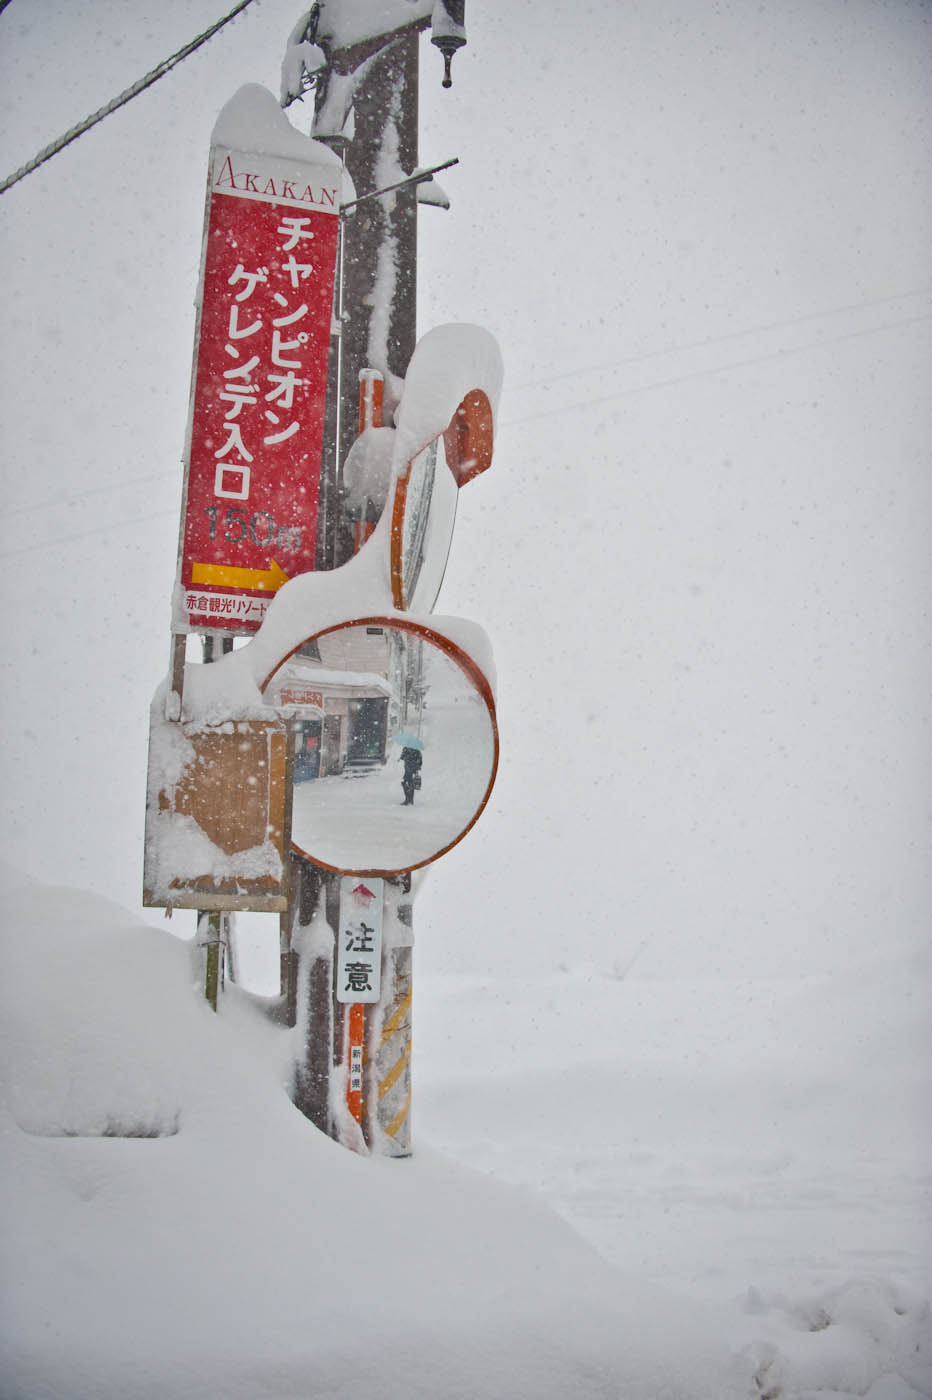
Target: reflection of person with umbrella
(411, 757)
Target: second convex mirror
(423, 514)
(395, 745)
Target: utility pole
(366, 109)
(377, 268)
(221, 793)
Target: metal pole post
(378, 303)
(212, 923)
(214, 929)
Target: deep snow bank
(174, 1228)
(240, 1253)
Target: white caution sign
(359, 960)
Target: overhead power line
(67, 499)
(94, 532)
(609, 365)
(126, 483)
(560, 409)
(139, 86)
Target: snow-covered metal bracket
(419, 177)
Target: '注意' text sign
(259, 386)
(359, 953)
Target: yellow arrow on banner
(225, 576)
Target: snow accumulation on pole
(448, 363)
(231, 687)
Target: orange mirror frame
(468, 443)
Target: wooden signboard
(217, 838)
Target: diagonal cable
(139, 86)
(712, 369)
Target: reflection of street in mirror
(429, 512)
(382, 719)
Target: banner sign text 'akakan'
(257, 417)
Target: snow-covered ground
(352, 820)
(717, 1137)
(755, 1190)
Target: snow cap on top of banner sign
(253, 121)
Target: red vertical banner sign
(249, 520)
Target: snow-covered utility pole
(361, 60)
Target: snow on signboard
(259, 385)
(217, 815)
(359, 959)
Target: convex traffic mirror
(424, 503)
(395, 744)
(423, 514)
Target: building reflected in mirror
(384, 717)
